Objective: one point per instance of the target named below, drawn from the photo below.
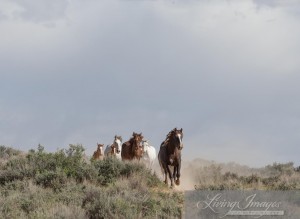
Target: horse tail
(160, 163)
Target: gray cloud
(2, 15)
(46, 12)
(276, 3)
(121, 66)
(41, 11)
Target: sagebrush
(65, 184)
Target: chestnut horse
(114, 149)
(98, 154)
(170, 155)
(133, 149)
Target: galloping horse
(115, 148)
(149, 152)
(98, 154)
(170, 155)
(132, 149)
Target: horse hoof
(177, 182)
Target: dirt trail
(186, 180)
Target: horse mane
(133, 135)
(131, 139)
(166, 141)
(118, 137)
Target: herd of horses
(137, 148)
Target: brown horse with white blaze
(133, 149)
(99, 153)
(170, 155)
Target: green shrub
(153, 180)
(71, 193)
(96, 204)
(230, 176)
(132, 167)
(124, 201)
(51, 179)
(252, 179)
(270, 182)
(69, 161)
(7, 176)
(28, 204)
(281, 169)
(27, 184)
(284, 186)
(108, 170)
(39, 162)
(16, 185)
(7, 152)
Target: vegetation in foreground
(66, 185)
(236, 177)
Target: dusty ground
(186, 180)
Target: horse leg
(178, 174)
(174, 172)
(170, 176)
(166, 175)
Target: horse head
(145, 145)
(137, 144)
(99, 152)
(178, 135)
(137, 137)
(100, 148)
(118, 143)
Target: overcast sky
(227, 72)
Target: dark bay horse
(99, 154)
(170, 155)
(133, 149)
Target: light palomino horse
(98, 154)
(114, 150)
(149, 153)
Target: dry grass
(64, 185)
(218, 177)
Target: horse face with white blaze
(118, 142)
(99, 153)
(179, 136)
(114, 149)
